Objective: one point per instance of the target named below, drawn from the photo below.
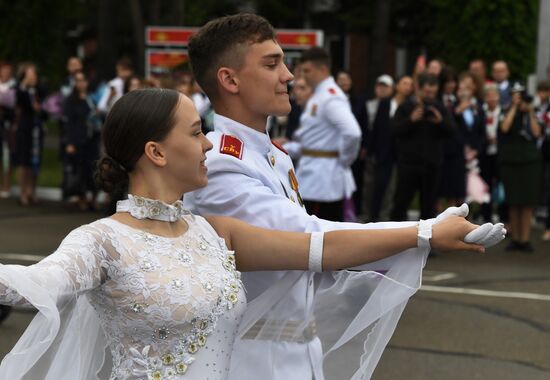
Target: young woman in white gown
(154, 286)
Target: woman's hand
(448, 235)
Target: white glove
(486, 235)
(458, 211)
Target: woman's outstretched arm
(262, 249)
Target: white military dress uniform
(329, 139)
(250, 179)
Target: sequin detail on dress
(169, 307)
(145, 208)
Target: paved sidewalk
(478, 316)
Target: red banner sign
(179, 36)
(162, 61)
(168, 36)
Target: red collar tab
(232, 146)
(279, 147)
(332, 91)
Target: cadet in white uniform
(252, 179)
(329, 139)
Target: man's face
(343, 80)
(478, 68)
(434, 67)
(74, 65)
(382, 90)
(262, 80)
(124, 72)
(429, 92)
(404, 87)
(500, 72)
(543, 95)
(313, 73)
(301, 91)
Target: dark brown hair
(138, 117)
(317, 56)
(219, 42)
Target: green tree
(459, 31)
(36, 31)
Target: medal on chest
(313, 110)
(294, 185)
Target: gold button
(272, 160)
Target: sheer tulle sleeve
(353, 313)
(64, 340)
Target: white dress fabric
(159, 307)
(300, 325)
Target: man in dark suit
(381, 144)
(420, 126)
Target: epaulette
(332, 91)
(279, 147)
(232, 146)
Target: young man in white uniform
(327, 141)
(239, 65)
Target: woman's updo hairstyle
(136, 118)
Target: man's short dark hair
(317, 56)
(427, 79)
(218, 43)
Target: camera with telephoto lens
(526, 98)
(519, 88)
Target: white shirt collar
(503, 85)
(324, 84)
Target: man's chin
(282, 111)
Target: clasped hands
(451, 231)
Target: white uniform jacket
(250, 179)
(327, 125)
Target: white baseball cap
(385, 79)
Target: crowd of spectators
(445, 138)
(78, 108)
(434, 135)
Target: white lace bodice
(169, 307)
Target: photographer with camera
(421, 126)
(520, 166)
(464, 147)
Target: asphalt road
(477, 316)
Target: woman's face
(492, 98)
(449, 87)
(134, 84)
(466, 88)
(31, 78)
(80, 83)
(185, 148)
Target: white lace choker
(145, 208)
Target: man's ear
(155, 153)
(227, 80)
